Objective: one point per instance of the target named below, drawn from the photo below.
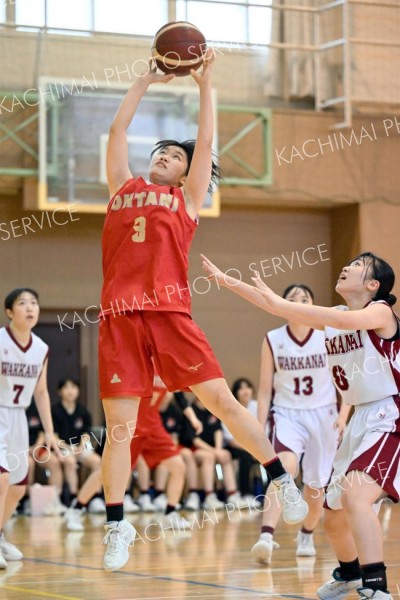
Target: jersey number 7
(18, 389)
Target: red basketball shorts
(128, 343)
(154, 447)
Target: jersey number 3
(139, 227)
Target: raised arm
(118, 171)
(198, 179)
(375, 316)
(265, 387)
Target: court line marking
(171, 579)
(35, 591)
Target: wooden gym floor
(213, 562)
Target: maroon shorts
(154, 447)
(128, 343)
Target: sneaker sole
(117, 567)
(341, 595)
(11, 558)
(261, 554)
(306, 553)
(75, 527)
(297, 519)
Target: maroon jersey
(146, 239)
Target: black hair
(382, 272)
(237, 384)
(14, 295)
(299, 286)
(188, 147)
(62, 382)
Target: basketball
(178, 47)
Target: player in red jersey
(362, 341)
(146, 304)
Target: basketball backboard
(74, 121)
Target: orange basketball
(178, 47)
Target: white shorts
(308, 433)
(14, 444)
(371, 444)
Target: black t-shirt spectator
(172, 418)
(70, 427)
(210, 424)
(34, 423)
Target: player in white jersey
(363, 346)
(23, 374)
(305, 424)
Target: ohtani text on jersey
(19, 370)
(294, 363)
(143, 199)
(342, 344)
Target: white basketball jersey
(364, 367)
(20, 368)
(301, 379)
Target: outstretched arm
(375, 316)
(198, 179)
(117, 149)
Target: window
(77, 14)
(223, 21)
(30, 12)
(233, 21)
(140, 18)
(2, 11)
(116, 16)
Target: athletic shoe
(305, 544)
(3, 562)
(337, 588)
(237, 500)
(211, 502)
(262, 550)
(129, 505)
(294, 508)
(119, 536)
(145, 503)
(9, 551)
(73, 519)
(97, 506)
(366, 593)
(160, 503)
(192, 502)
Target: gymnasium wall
(342, 199)
(64, 263)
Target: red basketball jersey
(146, 239)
